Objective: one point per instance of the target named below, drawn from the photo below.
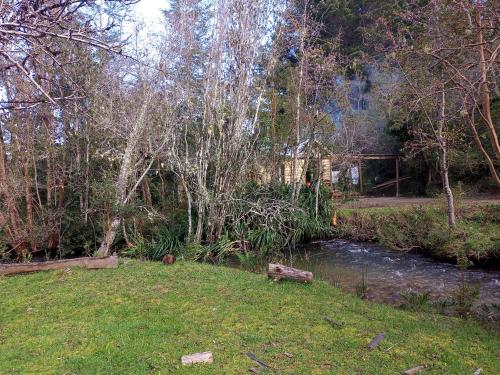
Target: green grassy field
(142, 317)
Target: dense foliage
(206, 139)
(262, 222)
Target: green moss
(142, 317)
(425, 228)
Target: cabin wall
(326, 170)
(287, 171)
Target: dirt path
(368, 202)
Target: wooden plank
(388, 183)
(90, 263)
(326, 170)
(278, 272)
(205, 357)
(336, 157)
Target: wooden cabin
(330, 164)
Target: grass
(142, 317)
(475, 240)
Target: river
(389, 274)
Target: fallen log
(205, 357)
(278, 272)
(90, 263)
(414, 370)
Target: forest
(241, 132)
(113, 141)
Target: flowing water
(388, 274)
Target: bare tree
(215, 144)
(431, 89)
(465, 46)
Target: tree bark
(485, 91)
(489, 161)
(126, 171)
(14, 228)
(298, 103)
(443, 160)
(278, 272)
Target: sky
(149, 12)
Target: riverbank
(424, 228)
(142, 317)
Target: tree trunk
(318, 185)
(443, 156)
(126, 171)
(273, 138)
(15, 227)
(485, 91)
(87, 177)
(189, 199)
(278, 272)
(90, 263)
(28, 197)
(446, 186)
(146, 193)
(298, 103)
(110, 235)
(489, 161)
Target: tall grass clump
(166, 237)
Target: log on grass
(415, 370)
(205, 357)
(278, 272)
(90, 263)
